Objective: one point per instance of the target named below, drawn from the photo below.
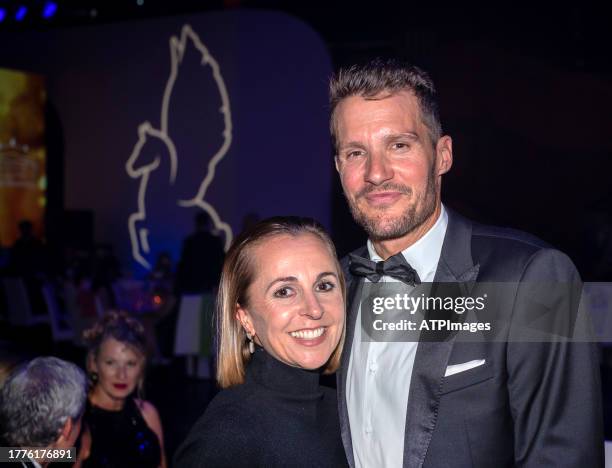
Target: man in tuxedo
(41, 405)
(446, 402)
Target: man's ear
(444, 155)
(243, 317)
(69, 433)
(66, 431)
(337, 163)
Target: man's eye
(283, 292)
(400, 145)
(354, 154)
(325, 286)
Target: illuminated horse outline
(139, 236)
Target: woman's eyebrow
(284, 279)
(326, 273)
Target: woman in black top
(119, 429)
(281, 323)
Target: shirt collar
(424, 254)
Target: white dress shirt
(379, 373)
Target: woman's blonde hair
(238, 274)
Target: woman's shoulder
(230, 405)
(151, 417)
(147, 409)
(223, 434)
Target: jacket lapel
(431, 358)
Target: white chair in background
(188, 338)
(20, 311)
(61, 321)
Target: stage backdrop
(22, 153)
(223, 112)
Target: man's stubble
(382, 228)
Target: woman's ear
(91, 362)
(243, 317)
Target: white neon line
(139, 240)
(207, 58)
(140, 215)
(144, 240)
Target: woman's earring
(93, 378)
(251, 343)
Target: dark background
(525, 92)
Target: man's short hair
(389, 76)
(38, 398)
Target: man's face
(388, 166)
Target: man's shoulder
(503, 237)
(508, 251)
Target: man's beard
(381, 227)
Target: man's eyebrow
(351, 144)
(396, 136)
(388, 138)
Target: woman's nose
(312, 307)
(121, 371)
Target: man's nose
(378, 169)
(312, 307)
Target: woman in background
(280, 322)
(122, 430)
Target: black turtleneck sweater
(280, 416)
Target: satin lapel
(432, 357)
(353, 293)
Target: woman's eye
(325, 286)
(283, 292)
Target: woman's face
(119, 368)
(295, 307)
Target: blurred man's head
(41, 404)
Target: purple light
(2, 14)
(21, 13)
(49, 10)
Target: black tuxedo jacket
(531, 404)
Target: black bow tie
(396, 267)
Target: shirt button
(373, 367)
(368, 430)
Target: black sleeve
(554, 384)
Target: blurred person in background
(28, 257)
(41, 405)
(121, 428)
(201, 259)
